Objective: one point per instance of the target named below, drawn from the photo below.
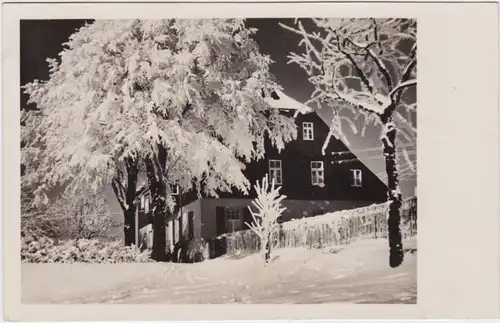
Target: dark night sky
(41, 39)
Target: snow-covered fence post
(265, 219)
(364, 66)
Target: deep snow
(357, 273)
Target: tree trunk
(396, 254)
(159, 229)
(131, 194)
(126, 192)
(129, 226)
(158, 189)
(267, 255)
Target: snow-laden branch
(402, 86)
(405, 121)
(359, 103)
(362, 75)
(326, 142)
(120, 194)
(380, 63)
(408, 160)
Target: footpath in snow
(357, 273)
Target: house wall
(208, 213)
(294, 209)
(303, 198)
(173, 225)
(296, 169)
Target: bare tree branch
(356, 66)
(119, 193)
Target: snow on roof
(280, 100)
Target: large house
(313, 181)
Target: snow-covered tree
(184, 98)
(85, 216)
(269, 209)
(35, 221)
(47, 167)
(365, 66)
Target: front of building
(314, 183)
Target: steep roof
(280, 100)
(361, 146)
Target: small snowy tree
(364, 66)
(35, 220)
(180, 99)
(269, 209)
(81, 217)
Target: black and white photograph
(219, 161)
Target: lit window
(141, 206)
(146, 205)
(174, 189)
(233, 219)
(307, 130)
(357, 178)
(317, 173)
(275, 171)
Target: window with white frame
(275, 171)
(174, 189)
(357, 178)
(307, 130)
(233, 219)
(317, 173)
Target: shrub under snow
(197, 250)
(47, 250)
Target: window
(146, 205)
(233, 219)
(317, 173)
(141, 205)
(357, 178)
(174, 189)
(307, 130)
(275, 171)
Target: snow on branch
(402, 86)
(165, 84)
(366, 64)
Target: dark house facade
(314, 183)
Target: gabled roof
(280, 100)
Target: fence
(329, 229)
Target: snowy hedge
(330, 229)
(46, 250)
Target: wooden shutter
(247, 218)
(191, 225)
(180, 227)
(173, 231)
(220, 219)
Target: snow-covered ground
(358, 273)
